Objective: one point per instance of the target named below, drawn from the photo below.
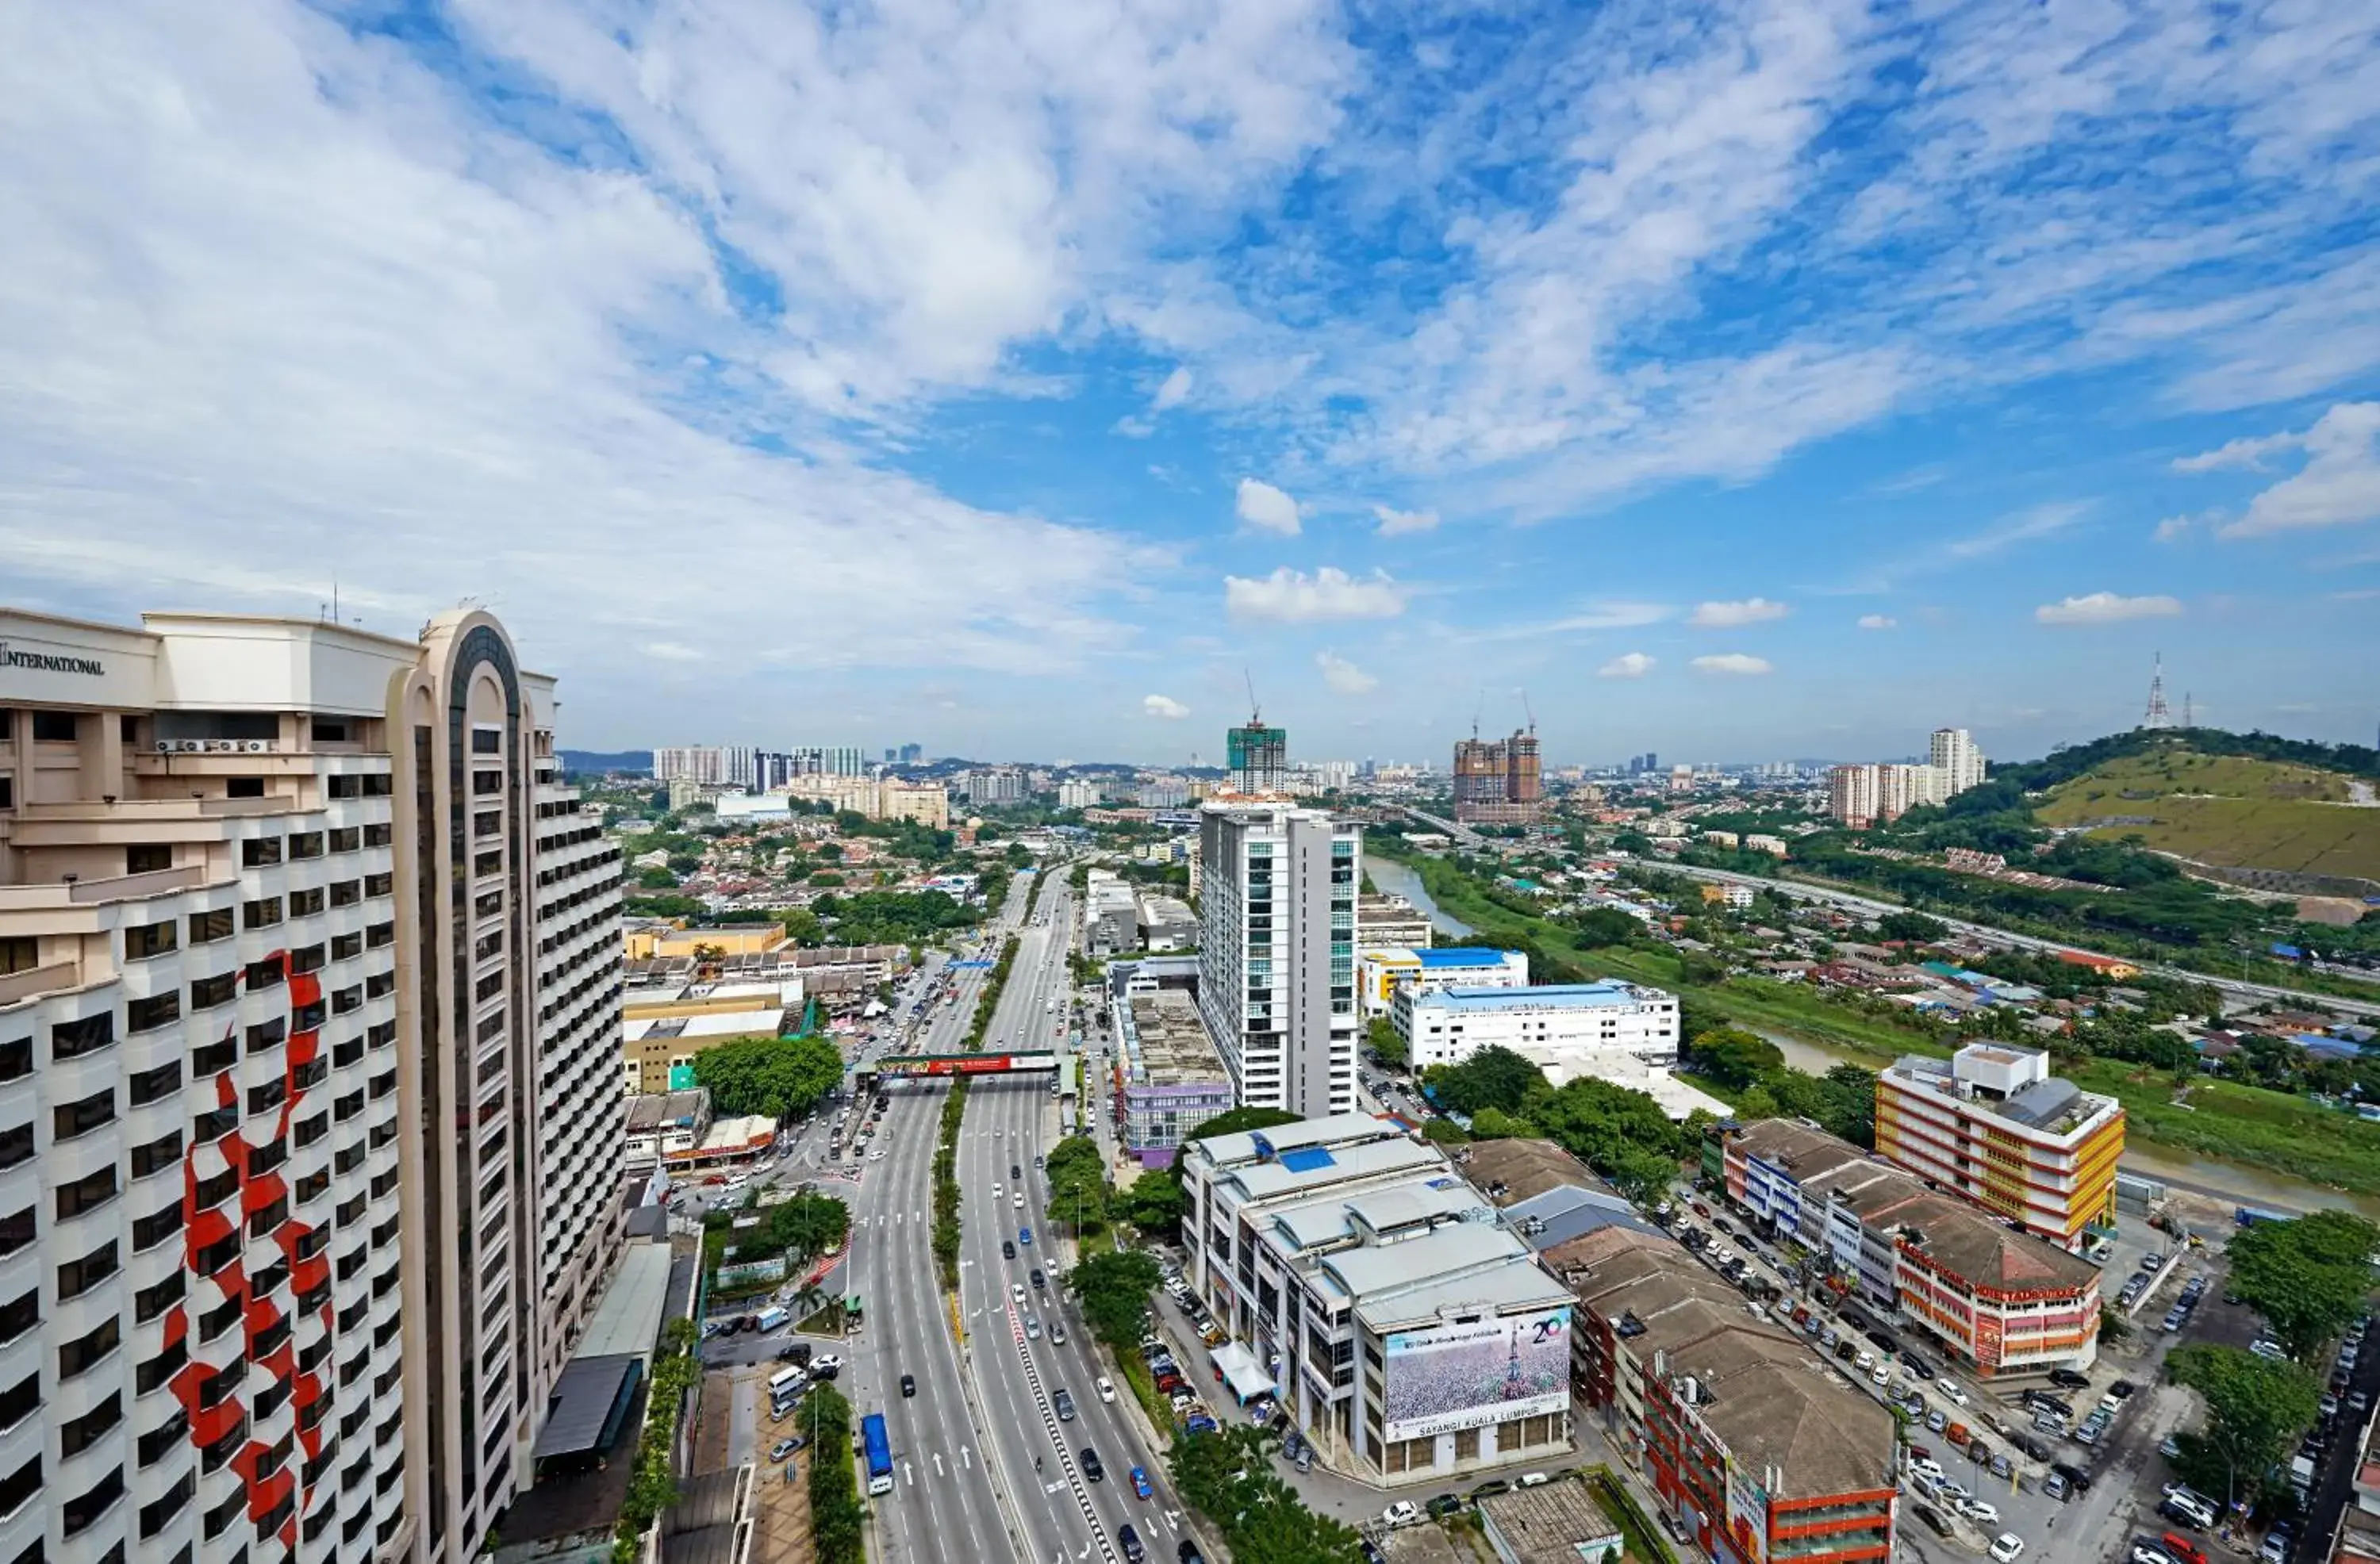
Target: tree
(1493, 1077)
(1913, 928)
(656, 878)
(1387, 1044)
(1077, 1175)
(777, 1077)
(1733, 1057)
(2254, 1411)
(1755, 1102)
(1604, 926)
(1152, 1203)
(1229, 1478)
(2309, 1276)
(1494, 1124)
(1113, 1288)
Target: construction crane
(1527, 710)
(1256, 712)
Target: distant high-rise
(913, 754)
(1954, 753)
(1498, 781)
(1259, 757)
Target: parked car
(1405, 1513)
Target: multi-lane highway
(942, 1505)
(1066, 1514)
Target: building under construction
(1497, 780)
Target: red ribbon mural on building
(268, 1342)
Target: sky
(1733, 381)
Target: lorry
(2248, 1216)
(879, 1447)
(771, 1318)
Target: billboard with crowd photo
(1469, 1374)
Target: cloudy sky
(1741, 380)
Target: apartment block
(1751, 1443)
(2001, 1301)
(1993, 1126)
(1448, 1025)
(308, 1059)
(1277, 953)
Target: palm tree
(808, 1299)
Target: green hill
(2234, 810)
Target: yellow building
(659, 941)
(1994, 1127)
(663, 1028)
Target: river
(1395, 879)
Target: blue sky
(1742, 381)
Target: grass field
(2265, 1129)
(2229, 810)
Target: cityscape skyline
(1391, 362)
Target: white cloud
(2106, 608)
(2040, 521)
(1734, 615)
(1732, 662)
(2172, 529)
(1396, 523)
(295, 305)
(2245, 452)
(1627, 665)
(1164, 706)
(2340, 484)
(1291, 596)
(670, 651)
(1263, 506)
(1342, 676)
(1878, 622)
(1594, 617)
(1175, 390)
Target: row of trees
(838, 1519)
(1228, 1476)
(652, 1487)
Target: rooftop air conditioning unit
(257, 747)
(190, 746)
(167, 746)
(224, 746)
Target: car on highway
(1039, 1281)
(1024, 1237)
(1129, 1541)
(1140, 1483)
(1032, 1329)
(1107, 1389)
(908, 1384)
(1064, 1404)
(1008, 1249)
(1016, 1172)
(1056, 1330)
(1016, 1292)
(1092, 1469)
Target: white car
(1883, 1375)
(1019, 1201)
(1928, 1465)
(1980, 1511)
(1949, 1392)
(1405, 1513)
(1016, 1291)
(1107, 1389)
(2006, 1546)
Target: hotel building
(1993, 1126)
(309, 1122)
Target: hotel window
(150, 939)
(55, 727)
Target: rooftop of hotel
(2051, 1106)
(1565, 996)
(1446, 956)
(1338, 1129)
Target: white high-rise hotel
(309, 1123)
(1277, 953)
